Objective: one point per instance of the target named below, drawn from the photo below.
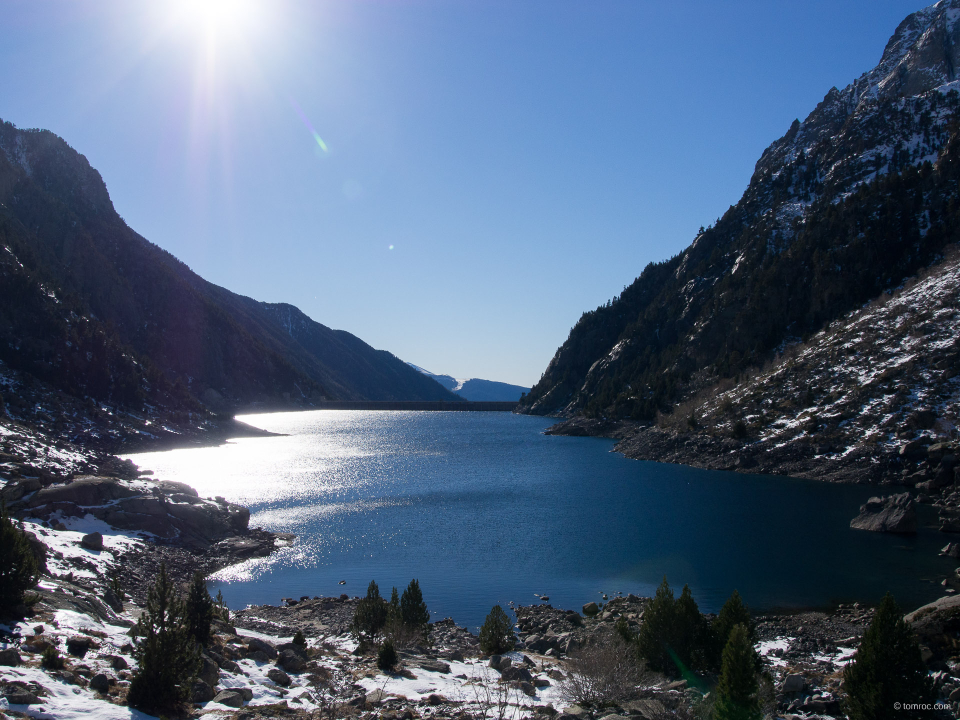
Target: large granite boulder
(893, 514)
(937, 624)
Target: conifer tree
(166, 653)
(887, 669)
(655, 636)
(737, 690)
(496, 632)
(18, 567)
(387, 657)
(690, 637)
(199, 609)
(413, 609)
(734, 612)
(299, 640)
(371, 615)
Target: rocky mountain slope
(853, 200)
(476, 389)
(95, 309)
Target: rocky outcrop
(937, 624)
(893, 514)
(169, 510)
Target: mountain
(477, 390)
(849, 203)
(94, 309)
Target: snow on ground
(65, 701)
(771, 649)
(65, 554)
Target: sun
(220, 19)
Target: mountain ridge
(204, 339)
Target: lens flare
(306, 122)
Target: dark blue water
(482, 508)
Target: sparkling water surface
(483, 508)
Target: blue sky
(488, 170)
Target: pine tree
(299, 640)
(413, 609)
(166, 653)
(737, 689)
(18, 567)
(199, 609)
(655, 637)
(371, 615)
(387, 657)
(887, 669)
(690, 638)
(496, 633)
(733, 613)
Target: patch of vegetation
(496, 633)
(19, 570)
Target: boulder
(10, 657)
(279, 677)
(437, 665)
(201, 692)
(937, 623)
(100, 683)
(209, 672)
(915, 448)
(111, 599)
(291, 661)
(92, 541)
(528, 689)
(266, 648)
(893, 514)
(951, 550)
(591, 609)
(516, 673)
(376, 697)
(245, 692)
(230, 698)
(19, 696)
(792, 683)
(78, 645)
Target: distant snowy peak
(475, 389)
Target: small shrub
(51, 659)
(496, 634)
(739, 429)
(220, 610)
(18, 567)
(605, 672)
(387, 657)
(299, 640)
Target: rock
(209, 671)
(100, 683)
(792, 683)
(576, 711)
(230, 698)
(279, 677)
(516, 673)
(79, 645)
(494, 662)
(111, 599)
(437, 666)
(591, 609)
(245, 692)
(19, 696)
(201, 692)
(528, 689)
(376, 697)
(116, 662)
(433, 699)
(894, 514)
(258, 656)
(951, 550)
(256, 644)
(92, 541)
(937, 623)
(291, 661)
(10, 658)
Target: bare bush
(604, 672)
(491, 699)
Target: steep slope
(477, 389)
(224, 348)
(850, 202)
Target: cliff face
(95, 309)
(851, 201)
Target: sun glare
(224, 19)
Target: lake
(483, 508)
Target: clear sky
(455, 181)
